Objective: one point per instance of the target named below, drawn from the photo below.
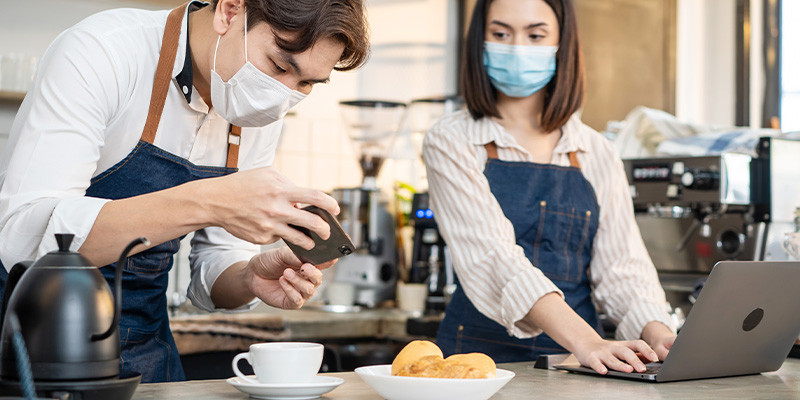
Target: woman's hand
(279, 279)
(258, 205)
(618, 355)
(659, 337)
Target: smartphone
(337, 245)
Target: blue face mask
(519, 71)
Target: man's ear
(225, 13)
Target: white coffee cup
(281, 362)
(341, 293)
(411, 297)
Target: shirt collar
(182, 71)
(486, 130)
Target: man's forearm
(158, 216)
(231, 289)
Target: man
(142, 123)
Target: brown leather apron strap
(163, 79)
(234, 140)
(491, 150)
(573, 160)
(166, 61)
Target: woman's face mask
(250, 98)
(519, 71)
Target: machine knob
(700, 179)
(730, 242)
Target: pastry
(424, 359)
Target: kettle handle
(14, 275)
(118, 288)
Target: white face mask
(250, 98)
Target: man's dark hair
(563, 95)
(298, 24)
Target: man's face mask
(250, 98)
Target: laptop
(745, 321)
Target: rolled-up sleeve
(625, 282)
(492, 269)
(54, 147)
(213, 251)
(213, 248)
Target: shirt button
(185, 89)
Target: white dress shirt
(85, 112)
(493, 270)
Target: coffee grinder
(372, 269)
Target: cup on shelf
(340, 294)
(281, 362)
(411, 297)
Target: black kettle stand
(120, 388)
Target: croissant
(422, 358)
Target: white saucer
(318, 386)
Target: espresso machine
(430, 261)
(372, 268)
(696, 211)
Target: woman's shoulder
(458, 126)
(591, 140)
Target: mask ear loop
(245, 36)
(214, 66)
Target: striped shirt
(493, 270)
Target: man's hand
(279, 279)
(259, 205)
(659, 337)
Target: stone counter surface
(533, 383)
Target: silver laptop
(745, 321)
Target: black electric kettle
(67, 314)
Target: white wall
(706, 58)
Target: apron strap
(163, 79)
(491, 150)
(234, 140)
(573, 160)
(166, 61)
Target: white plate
(287, 391)
(411, 388)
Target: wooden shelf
(11, 96)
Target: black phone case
(337, 245)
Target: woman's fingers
(613, 361)
(598, 366)
(642, 347)
(629, 356)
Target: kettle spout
(118, 288)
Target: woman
(534, 204)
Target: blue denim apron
(554, 212)
(146, 341)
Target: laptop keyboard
(652, 368)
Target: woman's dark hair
(298, 24)
(563, 96)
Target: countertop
(202, 332)
(533, 383)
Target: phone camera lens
(345, 250)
